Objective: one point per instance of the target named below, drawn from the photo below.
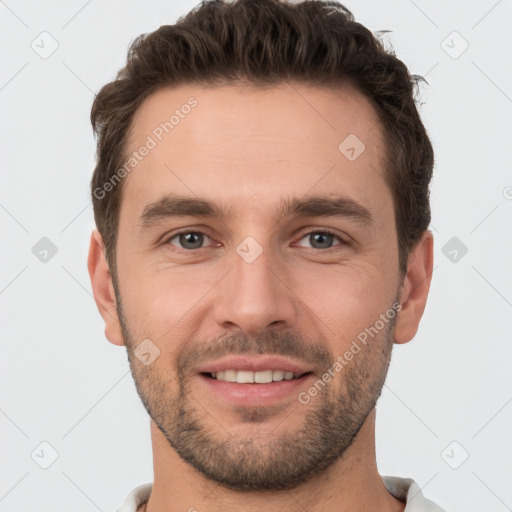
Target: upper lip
(255, 363)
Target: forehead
(248, 145)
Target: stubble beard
(280, 459)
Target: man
(262, 205)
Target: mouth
(250, 377)
(255, 380)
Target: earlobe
(415, 288)
(103, 289)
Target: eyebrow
(175, 206)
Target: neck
(351, 484)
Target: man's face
(258, 290)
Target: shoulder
(407, 490)
(136, 498)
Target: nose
(254, 296)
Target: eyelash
(199, 232)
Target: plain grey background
(445, 415)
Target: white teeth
(243, 377)
(230, 375)
(248, 377)
(263, 377)
(227, 375)
(278, 375)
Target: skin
(250, 148)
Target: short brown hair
(261, 43)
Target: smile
(259, 377)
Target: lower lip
(255, 394)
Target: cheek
(345, 301)
(164, 304)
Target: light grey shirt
(404, 489)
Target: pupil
(321, 238)
(188, 238)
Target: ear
(415, 287)
(103, 289)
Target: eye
(194, 240)
(322, 239)
(189, 240)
